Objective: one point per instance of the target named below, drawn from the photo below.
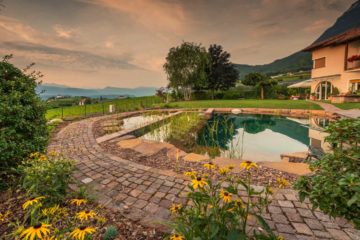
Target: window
(352, 59)
(319, 63)
(323, 90)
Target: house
(336, 60)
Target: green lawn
(347, 106)
(122, 105)
(248, 103)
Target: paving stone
(313, 224)
(135, 193)
(338, 234)
(145, 196)
(285, 203)
(294, 217)
(353, 233)
(306, 213)
(87, 180)
(140, 204)
(160, 194)
(279, 218)
(151, 207)
(274, 209)
(291, 196)
(302, 228)
(321, 234)
(165, 203)
(284, 228)
(129, 201)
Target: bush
(216, 211)
(111, 233)
(47, 176)
(334, 186)
(22, 116)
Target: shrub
(22, 116)
(111, 233)
(334, 186)
(215, 210)
(47, 176)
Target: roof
(346, 28)
(303, 84)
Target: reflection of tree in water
(221, 129)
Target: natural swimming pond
(250, 137)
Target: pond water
(251, 137)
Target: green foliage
(259, 80)
(111, 233)
(334, 186)
(22, 123)
(186, 68)
(215, 211)
(47, 176)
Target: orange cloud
(63, 32)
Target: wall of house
(334, 64)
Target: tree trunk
(262, 93)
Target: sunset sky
(123, 43)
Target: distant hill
(300, 61)
(49, 90)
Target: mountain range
(300, 61)
(48, 90)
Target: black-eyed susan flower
(40, 231)
(225, 195)
(209, 165)
(50, 211)
(282, 182)
(85, 215)
(224, 170)
(4, 216)
(81, 232)
(32, 201)
(239, 204)
(199, 182)
(175, 208)
(177, 237)
(190, 174)
(247, 165)
(78, 201)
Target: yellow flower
(81, 232)
(225, 195)
(85, 215)
(3, 216)
(282, 182)
(40, 231)
(224, 170)
(101, 220)
(269, 190)
(50, 211)
(209, 165)
(32, 201)
(198, 182)
(190, 174)
(78, 201)
(34, 155)
(177, 237)
(280, 238)
(175, 208)
(43, 157)
(248, 165)
(239, 203)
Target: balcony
(353, 56)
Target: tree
(222, 74)
(259, 80)
(186, 68)
(23, 127)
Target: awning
(355, 81)
(303, 84)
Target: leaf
(236, 235)
(264, 224)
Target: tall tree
(222, 73)
(186, 68)
(259, 80)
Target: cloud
(317, 25)
(63, 32)
(154, 15)
(69, 58)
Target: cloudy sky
(123, 43)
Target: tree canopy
(259, 80)
(186, 68)
(222, 73)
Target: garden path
(145, 194)
(352, 113)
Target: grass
(121, 105)
(248, 103)
(347, 106)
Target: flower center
(248, 162)
(198, 178)
(87, 212)
(82, 228)
(37, 226)
(226, 194)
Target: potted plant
(313, 96)
(354, 60)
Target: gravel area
(261, 176)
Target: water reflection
(250, 137)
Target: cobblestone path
(144, 193)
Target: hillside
(300, 61)
(50, 90)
